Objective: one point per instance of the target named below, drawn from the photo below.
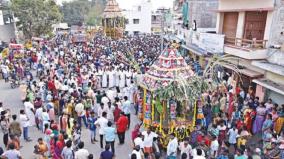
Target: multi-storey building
(138, 19)
(161, 18)
(7, 27)
(253, 32)
(193, 14)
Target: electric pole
(162, 26)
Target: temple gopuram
(113, 20)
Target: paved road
(11, 99)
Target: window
(126, 21)
(139, 8)
(136, 32)
(154, 18)
(135, 21)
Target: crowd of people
(230, 124)
(70, 87)
(91, 87)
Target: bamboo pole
(194, 114)
(152, 108)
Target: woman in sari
(278, 125)
(215, 104)
(267, 124)
(63, 122)
(69, 126)
(59, 145)
(54, 150)
(47, 140)
(222, 131)
(50, 110)
(231, 104)
(259, 119)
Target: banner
(210, 42)
(213, 43)
(16, 46)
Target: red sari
(231, 105)
(248, 120)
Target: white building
(138, 19)
(7, 27)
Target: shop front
(266, 89)
(244, 76)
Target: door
(255, 25)
(230, 24)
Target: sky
(127, 4)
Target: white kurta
(111, 95)
(104, 80)
(111, 79)
(99, 75)
(117, 76)
(30, 114)
(128, 78)
(122, 79)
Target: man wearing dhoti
(104, 79)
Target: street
(11, 99)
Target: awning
(245, 71)
(270, 85)
(278, 69)
(195, 49)
(241, 10)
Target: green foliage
(83, 11)
(36, 16)
(75, 12)
(184, 89)
(192, 89)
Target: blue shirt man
(110, 135)
(92, 127)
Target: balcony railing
(246, 43)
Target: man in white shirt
(102, 124)
(81, 153)
(148, 140)
(172, 147)
(126, 106)
(138, 141)
(137, 152)
(80, 110)
(24, 121)
(105, 100)
(199, 154)
(214, 147)
(12, 153)
(185, 147)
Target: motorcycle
(14, 83)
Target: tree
(75, 12)
(36, 16)
(94, 15)
(83, 11)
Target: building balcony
(245, 48)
